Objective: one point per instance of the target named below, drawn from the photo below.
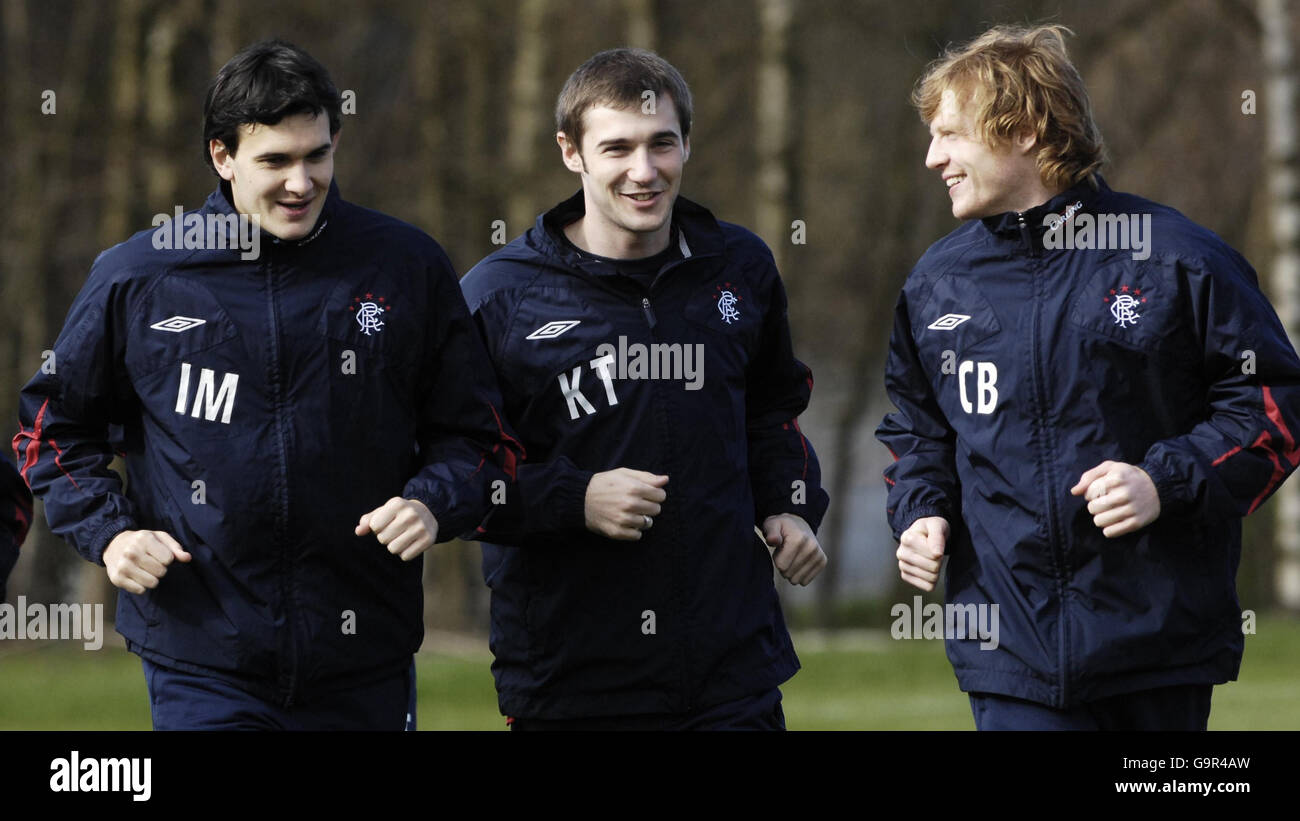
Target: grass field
(852, 681)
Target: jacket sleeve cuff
(905, 520)
(812, 511)
(99, 542)
(1166, 487)
(571, 500)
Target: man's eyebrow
(279, 155)
(624, 140)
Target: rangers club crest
(1124, 304)
(727, 301)
(369, 313)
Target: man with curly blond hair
(1091, 393)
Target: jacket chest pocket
(724, 328)
(962, 350)
(957, 322)
(1132, 306)
(187, 362)
(559, 361)
(372, 346)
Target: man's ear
(222, 159)
(1024, 141)
(570, 152)
(686, 148)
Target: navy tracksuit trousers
(186, 701)
(1185, 707)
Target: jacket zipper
(289, 680)
(1045, 456)
(649, 312)
(686, 700)
(1025, 236)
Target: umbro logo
(947, 322)
(176, 324)
(553, 329)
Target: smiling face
(631, 166)
(982, 180)
(281, 172)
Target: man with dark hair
(302, 417)
(630, 587)
(15, 517)
(1091, 393)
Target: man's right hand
(137, 559)
(920, 551)
(619, 500)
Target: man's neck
(619, 244)
(1035, 196)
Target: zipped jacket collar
(1029, 227)
(698, 234)
(220, 202)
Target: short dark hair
(617, 78)
(265, 83)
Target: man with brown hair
(1091, 393)
(629, 588)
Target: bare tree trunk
(772, 140)
(526, 113)
(640, 23)
(425, 79)
(20, 285)
(161, 175)
(222, 19)
(480, 181)
(123, 136)
(1280, 110)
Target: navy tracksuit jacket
(263, 406)
(687, 617)
(1016, 366)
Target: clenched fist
(621, 503)
(137, 559)
(406, 527)
(920, 551)
(1121, 497)
(798, 556)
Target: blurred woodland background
(802, 124)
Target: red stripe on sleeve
(510, 465)
(31, 450)
(58, 455)
(1290, 451)
(1225, 457)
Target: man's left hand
(798, 555)
(405, 526)
(1121, 497)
